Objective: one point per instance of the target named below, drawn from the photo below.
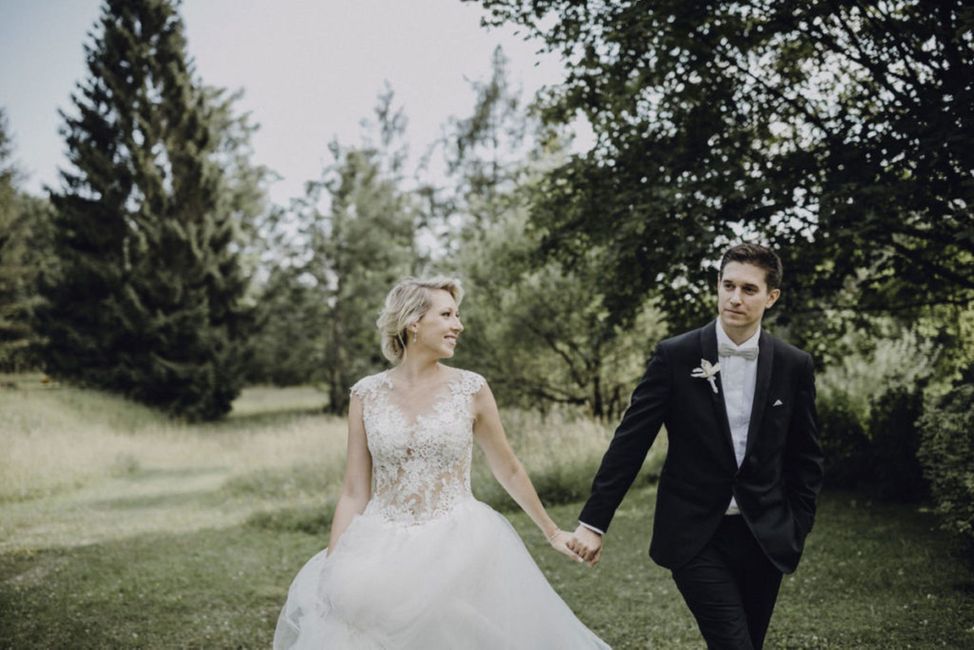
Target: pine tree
(17, 271)
(147, 298)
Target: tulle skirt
(463, 580)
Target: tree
(244, 201)
(361, 246)
(537, 328)
(147, 297)
(286, 346)
(23, 250)
(244, 193)
(338, 251)
(542, 334)
(486, 151)
(842, 133)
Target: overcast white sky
(311, 71)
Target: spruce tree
(147, 296)
(19, 221)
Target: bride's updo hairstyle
(406, 303)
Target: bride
(414, 561)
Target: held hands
(586, 545)
(559, 541)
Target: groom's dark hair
(759, 256)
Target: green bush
(947, 454)
(895, 471)
(878, 456)
(869, 401)
(844, 442)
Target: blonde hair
(406, 303)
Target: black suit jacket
(779, 478)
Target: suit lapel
(708, 349)
(765, 364)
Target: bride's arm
(357, 487)
(508, 470)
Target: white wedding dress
(426, 565)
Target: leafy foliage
(542, 335)
(840, 133)
(538, 329)
(869, 402)
(285, 348)
(486, 151)
(947, 453)
(360, 247)
(872, 363)
(844, 443)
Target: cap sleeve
(358, 388)
(366, 386)
(470, 382)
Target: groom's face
(742, 296)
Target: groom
(736, 496)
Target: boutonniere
(707, 371)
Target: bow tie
(726, 350)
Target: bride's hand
(559, 541)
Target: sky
(311, 70)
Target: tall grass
(561, 451)
(61, 438)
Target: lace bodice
(420, 469)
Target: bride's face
(439, 328)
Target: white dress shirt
(738, 377)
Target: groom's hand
(586, 544)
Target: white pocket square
(777, 402)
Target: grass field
(120, 529)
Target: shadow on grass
(269, 484)
(155, 473)
(176, 499)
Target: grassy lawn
(873, 576)
(192, 539)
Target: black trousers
(730, 587)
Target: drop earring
(414, 337)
